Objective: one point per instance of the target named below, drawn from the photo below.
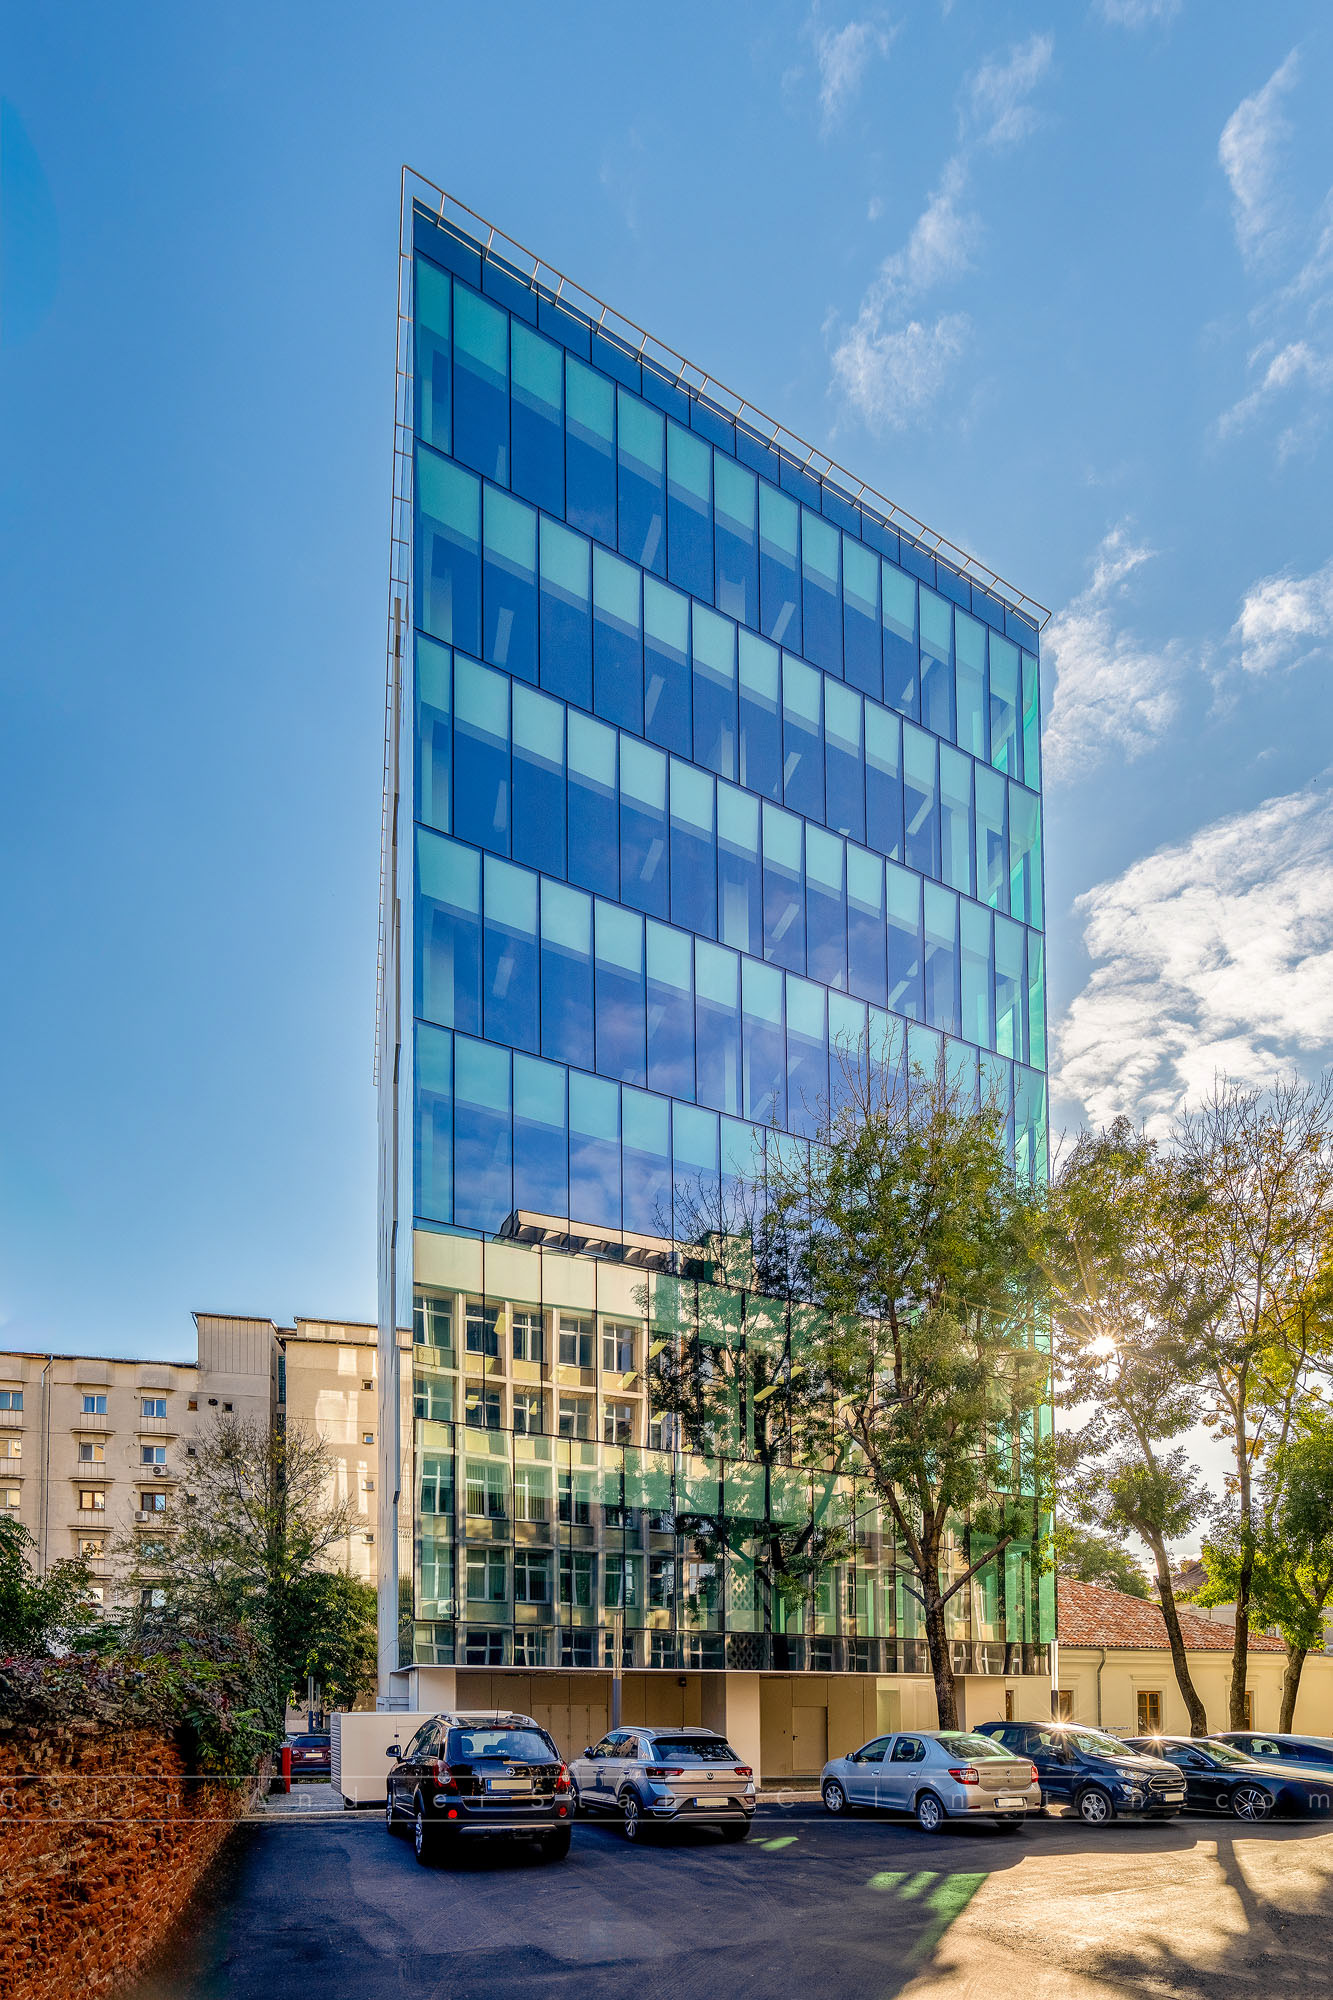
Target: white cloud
(998, 92)
(1285, 620)
(1137, 13)
(1297, 365)
(1111, 692)
(1248, 149)
(843, 55)
(891, 374)
(1212, 956)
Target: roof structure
(1092, 1615)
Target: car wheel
(835, 1798)
(555, 1846)
(424, 1839)
(929, 1813)
(1094, 1806)
(735, 1829)
(390, 1817)
(1251, 1802)
(632, 1822)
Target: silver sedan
(935, 1774)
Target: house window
(92, 1452)
(153, 1503)
(578, 1649)
(481, 1335)
(11, 1447)
(575, 1500)
(576, 1578)
(367, 1437)
(484, 1649)
(528, 1412)
(367, 1486)
(528, 1342)
(529, 1649)
(90, 1547)
(228, 1406)
(11, 1399)
(94, 1406)
(532, 1577)
(575, 1342)
(92, 1500)
(152, 1597)
(193, 1403)
(95, 1593)
(154, 1406)
(532, 1498)
(1008, 1704)
(433, 1323)
(618, 1423)
(486, 1491)
(482, 1406)
(1150, 1712)
(618, 1349)
(152, 1454)
(661, 1582)
(1249, 1708)
(1064, 1704)
(663, 1433)
(9, 1496)
(486, 1580)
(575, 1417)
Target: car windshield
(708, 1749)
(310, 1742)
(1224, 1753)
(1094, 1744)
(526, 1746)
(959, 1742)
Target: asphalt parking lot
(862, 1909)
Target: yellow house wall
(1125, 1674)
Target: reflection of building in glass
(700, 769)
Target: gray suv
(658, 1777)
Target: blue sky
(1059, 281)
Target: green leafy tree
(1093, 1558)
(38, 1614)
(1116, 1236)
(242, 1544)
(331, 1621)
(903, 1233)
(1265, 1159)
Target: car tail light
(966, 1774)
(562, 1779)
(445, 1780)
(663, 1771)
(1036, 1774)
(744, 1771)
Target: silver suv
(655, 1777)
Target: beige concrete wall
(1124, 1675)
(331, 1376)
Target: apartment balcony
(157, 1427)
(92, 1420)
(11, 1420)
(91, 1517)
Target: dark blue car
(1220, 1778)
(1093, 1774)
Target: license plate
(508, 1785)
(1011, 1804)
(1173, 1798)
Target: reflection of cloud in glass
(29, 241)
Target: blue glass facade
(707, 775)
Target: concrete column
(729, 1703)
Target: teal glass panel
(717, 1026)
(970, 682)
(977, 975)
(641, 455)
(643, 827)
(541, 1139)
(617, 641)
(807, 1057)
(594, 858)
(847, 1038)
(941, 936)
(620, 998)
(510, 954)
(1004, 706)
(1036, 1000)
(481, 762)
(694, 1169)
(433, 1125)
(997, 1087)
(920, 801)
(689, 511)
(1025, 855)
(884, 781)
(539, 781)
(844, 761)
(956, 818)
(736, 539)
(431, 312)
(481, 385)
(784, 913)
(991, 844)
(590, 451)
(901, 653)
(566, 613)
(448, 568)
(537, 418)
(646, 1132)
(825, 907)
(821, 565)
(594, 1151)
(434, 702)
(764, 1049)
(670, 963)
(802, 739)
(1030, 1144)
(714, 659)
(862, 632)
(666, 667)
(1010, 987)
(779, 567)
(509, 584)
(760, 717)
(566, 922)
(924, 1048)
(1031, 724)
(740, 873)
(866, 930)
(448, 933)
(693, 850)
(906, 991)
(483, 1140)
(937, 692)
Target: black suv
(482, 1772)
(1096, 1775)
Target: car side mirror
(393, 1751)
(588, 1750)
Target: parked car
(664, 1777)
(937, 1774)
(476, 1774)
(310, 1754)
(1316, 1750)
(1220, 1778)
(1093, 1774)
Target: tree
(1092, 1558)
(903, 1231)
(332, 1618)
(1265, 1159)
(1292, 1559)
(242, 1544)
(1116, 1236)
(37, 1613)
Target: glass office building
(703, 763)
